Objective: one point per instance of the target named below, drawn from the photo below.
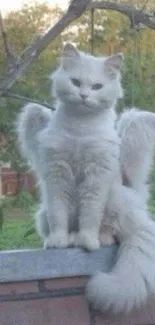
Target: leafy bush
(24, 200)
(1, 217)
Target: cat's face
(86, 82)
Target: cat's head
(87, 83)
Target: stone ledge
(27, 265)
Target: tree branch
(144, 5)
(29, 100)
(136, 15)
(8, 49)
(75, 10)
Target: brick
(63, 283)
(54, 311)
(142, 317)
(18, 287)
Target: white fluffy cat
(81, 166)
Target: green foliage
(18, 227)
(30, 232)
(12, 236)
(1, 217)
(112, 33)
(152, 185)
(24, 200)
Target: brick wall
(12, 182)
(46, 293)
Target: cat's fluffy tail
(137, 131)
(132, 280)
(31, 121)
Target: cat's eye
(76, 82)
(97, 86)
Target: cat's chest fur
(80, 147)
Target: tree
(35, 82)
(29, 32)
(76, 8)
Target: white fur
(76, 158)
(73, 162)
(132, 280)
(137, 131)
(32, 119)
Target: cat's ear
(70, 56)
(113, 64)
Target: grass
(12, 235)
(18, 219)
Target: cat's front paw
(72, 239)
(58, 239)
(87, 239)
(107, 239)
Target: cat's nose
(84, 96)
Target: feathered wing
(31, 121)
(137, 131)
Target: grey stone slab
(25, 265)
